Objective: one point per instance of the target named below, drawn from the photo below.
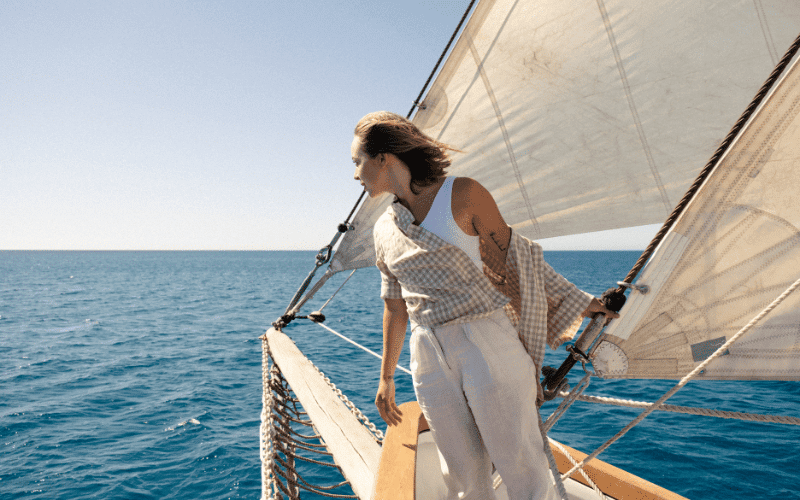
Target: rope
(569, 398)
(365, 349)
(441, 58)
(282, 446)
(379, 437)
(724, 347)
(337, 290)
(551, 460)
(773, 77)
(706, 412)
(268, 453)
(583, 473)
(313, 291)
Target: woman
(482, 303)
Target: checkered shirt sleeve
(550, 307)
(565, 303)
(438, 281)
(390, 287)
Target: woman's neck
(419, 204)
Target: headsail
(734, 250)
(592, 114)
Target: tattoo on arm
(498, 241)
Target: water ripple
(132, 375)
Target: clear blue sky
(198, 125)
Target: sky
(200, 125)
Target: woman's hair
(386, 132)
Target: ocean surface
(137, 375)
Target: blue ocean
(137, 375)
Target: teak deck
(390, 472)
(396, 472)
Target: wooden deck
(396, 473)
(389, 474)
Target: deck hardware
(643, 289)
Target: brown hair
(386, 132)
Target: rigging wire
(337, 291)
(323, 257)
(360, 346)
(685, 380)
(712, 163)
(688, 410)
(417, 102)
(325, 253)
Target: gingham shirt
(441, 285)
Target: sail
(588, 115)
(729, 255)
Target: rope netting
(283, 445)
(288, 436)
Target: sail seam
(506, 138)
(685, 380)
(632, 105)
(712, 163)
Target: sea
(138, 375)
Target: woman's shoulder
(471, 192)
(472, 197)
(466, 185)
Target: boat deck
(409, 469)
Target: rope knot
(316, 317)
(283, 321)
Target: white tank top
(440, 222)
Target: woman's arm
(395, 321)
(476, 213)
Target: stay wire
(417, 102)
(712, 163)
(324, 254)
(323, 257)
(337, 290)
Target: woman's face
(369, 171)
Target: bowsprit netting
(289, 436)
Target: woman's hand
(389, 411)
(595, 306)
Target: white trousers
(476, 386)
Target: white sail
(730, 254)
(586, 115)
